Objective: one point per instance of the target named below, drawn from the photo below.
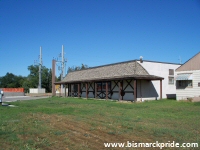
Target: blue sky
(96, 32)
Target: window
(171, 80)
(98, 86)
(171, 71)
(171, 76)
(101, 86)
(184, 84)
(83, 85)
(189, 83)
(75, 87)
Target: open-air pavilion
(121, 81)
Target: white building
(188, 79)
(165, 70)
(131, 80)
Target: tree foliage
(75, 68)
(33, 78)
(11, 81)
(31, 81)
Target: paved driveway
(15, 98)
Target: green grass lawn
(72, 123)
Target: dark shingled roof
(117, 71)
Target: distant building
(188, 79)
(131, 80)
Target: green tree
(26, 85)
(46, 79)
(11, 81)
(33, 78)
(75, 68)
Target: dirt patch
(65, 132)
(196, 99)
(80, 133)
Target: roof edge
(187, 61)
(126, 62)
(139, 77)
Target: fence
(12, 89)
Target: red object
(12, 89)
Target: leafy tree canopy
(75, 68)
(31, 81)
(11, 81)
(33, 78)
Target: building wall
(115, 95)
(91, 89)
(145, 90)
(90, 94)
(194, 91)
(36, 90)
(126, 87)
(162, 70)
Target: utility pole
(62, 61)
(40, 67)
(62, 67)
(63, 64)
(53, 77)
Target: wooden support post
(71, 88)
(120, 90)
(53, 78)
(79, 95)
(160, 89)
(135, 90)
(65, 91)
(60, 91)
(68, 89)
(106, 90)
(86, 86)
(95, 90)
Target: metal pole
(62, 68)
(63, 63)
(40, 66)
(53, 77)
